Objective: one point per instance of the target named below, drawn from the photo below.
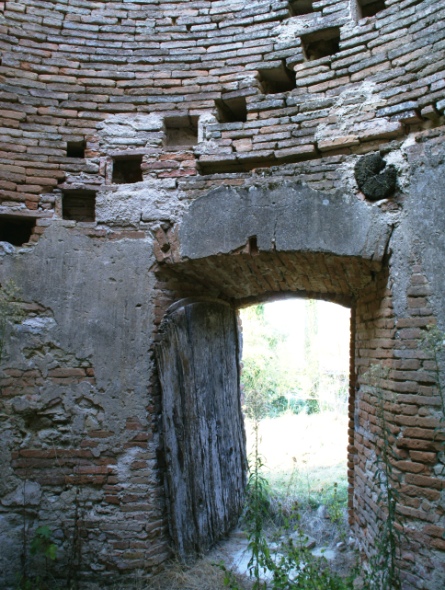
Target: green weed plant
(268, 369)
(44, 551)
(284, 562)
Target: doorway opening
(295, 389)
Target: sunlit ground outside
(304, 456)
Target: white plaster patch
(130, 203)
(124, 463)
(212, 147)
(123, 133)
(347, 110)
(346, 172)
(28, 493)
(399, 158)
(118, 125)
(203, 121)
(294, 27)
(6, 248)
(38, 325)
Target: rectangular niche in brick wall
(79, 205)
(127, 169)
(370, 7)
(321, 43)
(300, 7)
(16, 230)
(181, 132)
(278, 79)
(231, 110)
(75, 149)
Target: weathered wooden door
(204, 441)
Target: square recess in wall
(127, 169)
(16, 230)
(300, 7)
(370, 7)
(181, 132)
(75, 149)
(231, 110)
(277, 79)
(321, 43)
(79, 205)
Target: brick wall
(67, 68)
(408, 386)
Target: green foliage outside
(272, 372)
(276, 384)
(264, 376)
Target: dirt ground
(300, 452)
(233, 555)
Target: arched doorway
(306, 246)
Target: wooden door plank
(204, 441)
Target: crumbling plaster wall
(421, 233)
(75, 382)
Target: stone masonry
(153, 150)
